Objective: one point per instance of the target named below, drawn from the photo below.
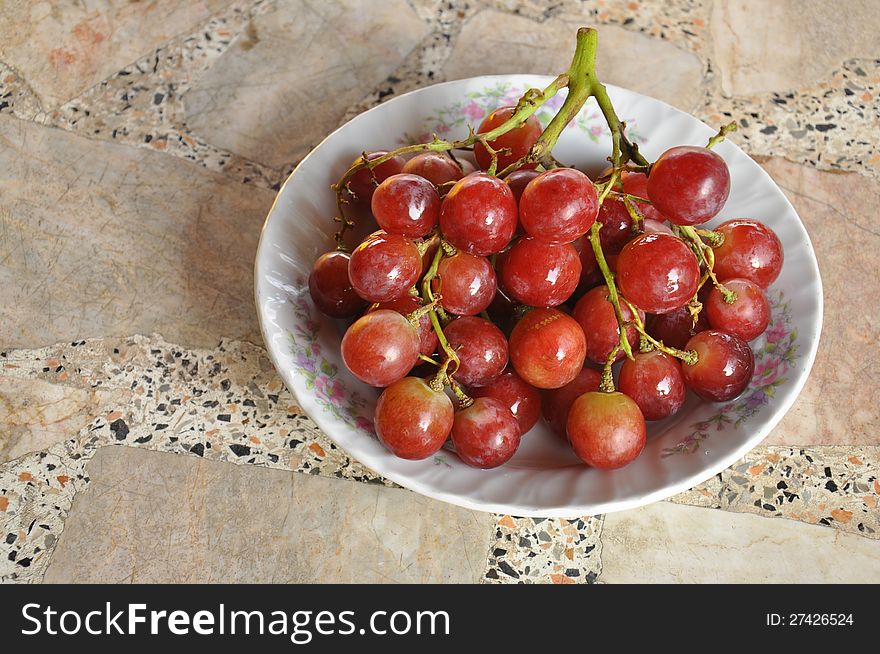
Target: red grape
(380, 347)
(330, 288)
(519, 179)
(617, 226)
(485, 434)
(502, 311)
(412, 420)
(637, 184)
(384, 267)
(467, 283)
(606, 430)
(406, 204)
(405, 305)
(559, 205)
(481, 348)
(541, 274)
(523, 400)
(591, 275)
(658, 273)
(364, 182)
(547, 348)
(689, 184)
(751, 250)
(650, 226)
(677, 327)
(723, 369)
(595, 315)
(478, 215)
(746, 317)
(557, 402)
(654, 380)
(520, 139)
(428, 254)
(437, 167)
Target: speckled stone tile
(141, 104)
(670, 543)
(224, 523)
(424, 64)
(64, 48)
(16, 97)
(830, 124)
(224, 403)
(545, 551)
(286, 81)
(793, 44)
(833, 486)
(546, 47)
(684, 22)
(706, 494)
(36, 492)
(100, 239)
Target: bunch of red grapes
(481, 302)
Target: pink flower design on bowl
(472, 111)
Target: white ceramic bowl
(544, 478)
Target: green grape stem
(606, 384)
(613, 296)
(706, 256)
(713, 238)
(721, 135)
(443, 376)
(687, 356)
(582, 84)
(635, 215)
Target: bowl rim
(567, 511)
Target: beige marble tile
(63, 48)
(787, 44)
(838, 405)
(99, 239)
(288, 79)
(496, 42)
(669, 543)
(34, 413)
(157, 518)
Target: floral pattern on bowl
(321, 376)
(452, 120)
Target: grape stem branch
(706, 256)
(687, 356)
(443, 376)
(721, 135)
(528, 104)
